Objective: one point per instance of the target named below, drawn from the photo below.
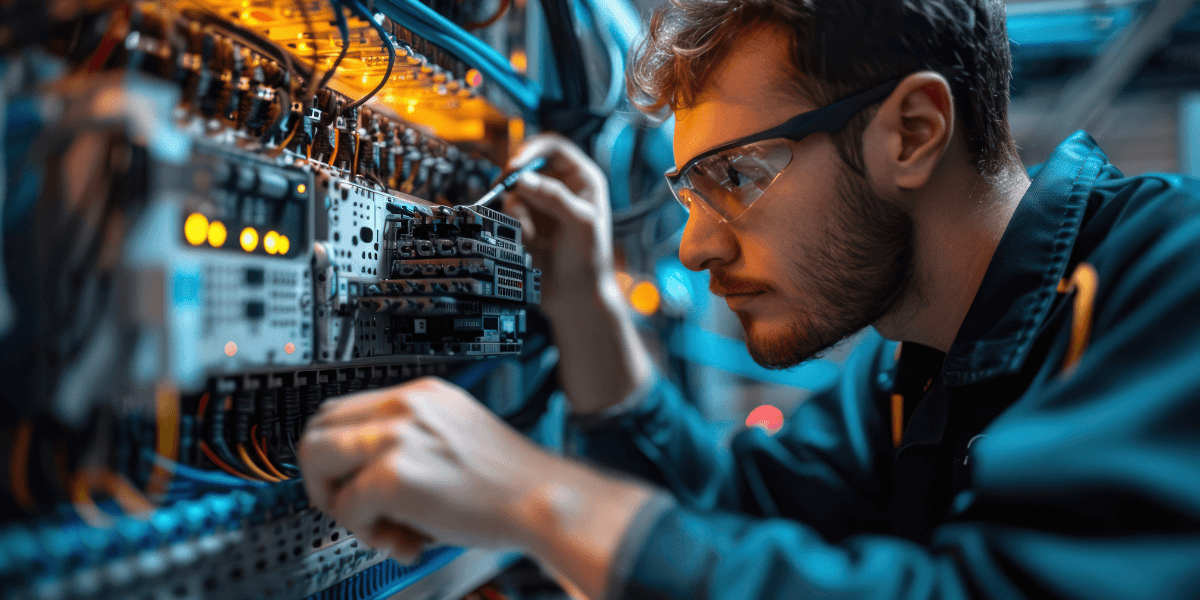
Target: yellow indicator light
(644, 298)
(249, 239)
(195, 229)
(289, 347)
(230, 348)
(217, 234)
(411, 108)
(270, 242)
(283, 244)
(300, 189)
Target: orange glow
(766, 417)
(230, 348)
(474, 78)
(644, 298)
(520, 61)
(217, 234)
(625, 281)
(283, 244)
(289, 348)
(195, 229)
(271, 242)
(249, 239)
(300, 189)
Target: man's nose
(706, 241)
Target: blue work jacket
(1054, 452)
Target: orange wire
(167, 439)
(245, 456)
(212, 456)
(18, 464)
(262, 453)
(203, 405)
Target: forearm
(602, 360)
(574, 524)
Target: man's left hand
(422, 461)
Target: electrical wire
(216, 460)
(262, 453)
(199, 476)
(361, 10)
(488, 22)
(166, 414)
(249, 463)
(427, 23)
(344, 29)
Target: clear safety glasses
(729, 178)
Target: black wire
(387, 42)
(344, 29)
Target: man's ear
(910, 132)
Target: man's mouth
(729, 287)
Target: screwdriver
(510, 181)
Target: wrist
(574, 520)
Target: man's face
(819, 255)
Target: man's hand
(426, 462)
(567, 226)
(418, 462)
(565, 218)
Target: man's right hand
(565, 217)
(567, 227)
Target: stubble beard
(857, 276)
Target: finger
(330, 457)
(400, 541)
(551, 198)
(374, 493)
(361, 408)
(564, 160)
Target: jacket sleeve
(834, 451)
(1087, 487)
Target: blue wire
(199, 476)
(361, 10)
(425, 22)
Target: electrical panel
(217, 216)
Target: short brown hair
(839, 47)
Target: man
(1037, 434)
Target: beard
(854, 278)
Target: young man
(1037, 434)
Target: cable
(246, 460)
(193, 475)
(216, 460)
(504, 4)
(344, 29)
(391, 48)
(427, 23)
(262, 453)
(166, 409)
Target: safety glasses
(729, 178)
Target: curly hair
(839, 47)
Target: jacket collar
(1021, 280)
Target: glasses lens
(730, 181)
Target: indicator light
(301, 188)
(195, 229)
(474, 78)
(217, 234)
(270, 242)
(230, 348)
(283, 244)
(289, 347)
(249, 239)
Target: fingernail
(528, 179)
